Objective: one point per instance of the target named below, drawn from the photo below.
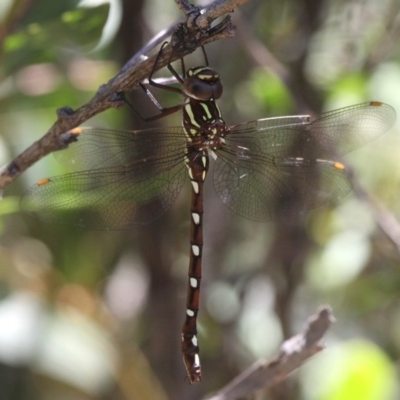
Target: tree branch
(293, 353)
(216, 10)
(386, 220)
(202, 18)
(185, 39)
(186, 7)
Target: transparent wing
(258, 190)
(131, 190)
(332, 134)
(264, 166)
(103, 148)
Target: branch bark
(293, 353)
(186, 37)
(202, 18)
(217, 9)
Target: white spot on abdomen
(195, 250)
(195, 186)
(196, 218)
(190, 313)
(196, 360)
(193, 282)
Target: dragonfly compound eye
(203, 85)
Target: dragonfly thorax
(212, 139)
(203, 83)
(203, 122)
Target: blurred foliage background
(97, 315)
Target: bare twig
(154, 42)
(203, 18)
(185, 39)
(216, 10)
(186, 7)
(293, 353)
(383, 217)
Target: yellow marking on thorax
(207, 110)
(189, 111)
(219, 111)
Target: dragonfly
(122, 179)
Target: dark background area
(97, 315)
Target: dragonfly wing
(354, 126)
(102, 148)
(263, 189)
(289, 163)
(332, 134)
(109, 198)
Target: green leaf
(357, 369)
(271, 92)
(9, 205)
(42, 40)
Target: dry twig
(186, 37)
(293, 353)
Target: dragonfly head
(203, 83)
